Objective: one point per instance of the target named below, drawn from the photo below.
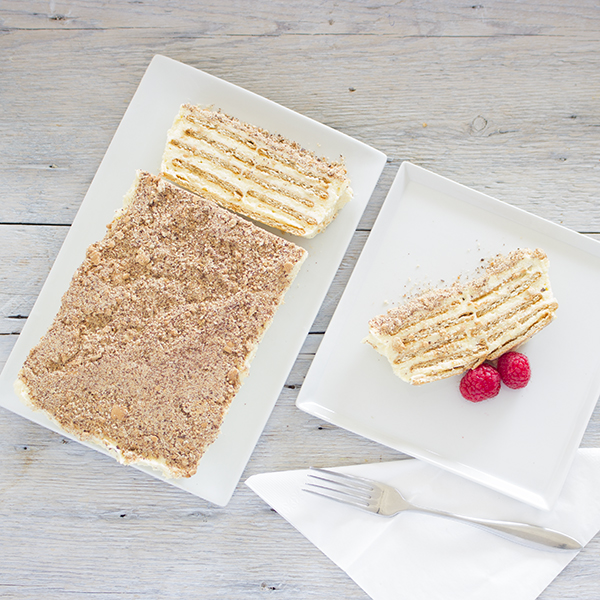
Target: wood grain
(443, 103)
(499, 96)
(418, 18)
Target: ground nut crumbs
(117, 413)
(158, 326)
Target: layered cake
(158, 327)
(446, 331)
(255, 173)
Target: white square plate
(138, 144)
(521, 442)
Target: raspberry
(514, 370)
(480, 383)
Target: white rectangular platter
(138, 144)
(522, 442)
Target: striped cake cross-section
(260, 175)
(446, 331)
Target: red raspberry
(514, 370)
(480, 383)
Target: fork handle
(528, 533)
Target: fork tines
(341, 487)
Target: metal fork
(385, 500)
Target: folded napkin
(414, 556)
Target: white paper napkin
(414, 556)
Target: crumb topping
(158, 326)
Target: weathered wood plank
(7, 341)
(310, 17)
(26, 255)
(443, 103)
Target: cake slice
(255, 173)
(158, 327)
(513, 300)
(446, 331)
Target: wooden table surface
(500, 96)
